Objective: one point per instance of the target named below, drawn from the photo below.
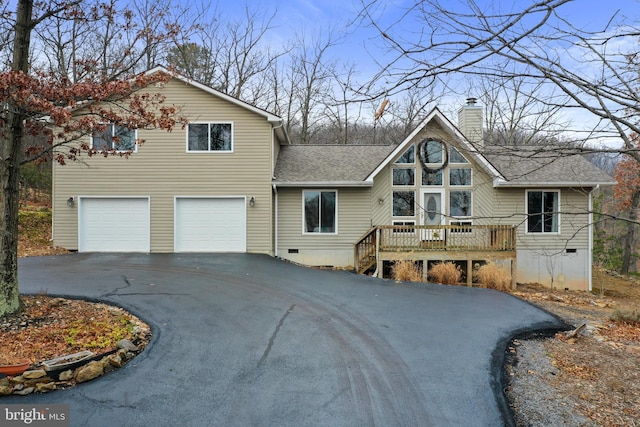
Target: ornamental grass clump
(631, 317)
(446, 273)
(493, 276)
(406, 271)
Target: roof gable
(437, 116)
(272, 118)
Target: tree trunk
(628, 249)
(10, 158)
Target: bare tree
(591, 71)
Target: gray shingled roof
(522, 165)
(328, 163)
(526, 165)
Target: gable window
(432, 152)
(320, 211)
(431, 178)
(460, 203)
(404, 176)
(542, 211)
(459, 177)
(404, 203)
(210, 137)
(456, 157)
(408, 157)
(114, 137)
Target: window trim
(135, 139)
(450, 169)
(412, 146)
(304, 213)
(231, 123)
(527, 214)
(414, 203)
(393, 184)
(462, 224)
(470, 203)
(466, 162)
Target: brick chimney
(470, 122)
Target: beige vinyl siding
(574, 231)
(381, 190)
(483, 198)
(354, 218)
(162, 169)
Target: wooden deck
(432, 243)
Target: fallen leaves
(52, 327)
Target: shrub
(446, 273)
(626, 316)
(493, 276)
(406, 271)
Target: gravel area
(534, 400)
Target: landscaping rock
(5, 390)
(66, 375)
(24, 391)
(115, 360)
(4, 382)
(127, 345)
(90, 371)
(45, 387)
(29, 375)
(34, 381)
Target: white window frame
(450, 169)
(557, 213)
(403, 185)
(304, 213)
(461, 223)
(397, 162)
(209, 151)
(114, 126)
(470, 203)
(401, 190)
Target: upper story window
(456, 158)
(320, 211)
(431, 178)
(432, 151)
(404, 176)
(459, 177)
(404, 203)
(542, 211)
(114, 137)
(210, 137)
(408, 157)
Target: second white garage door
(210, 224)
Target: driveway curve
(248, 340)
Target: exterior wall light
(71, 202)
(252, 201)
(380, 201)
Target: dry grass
(493, 276)
(446, 273)
(621, 315)
(406, 271)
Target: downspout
(275, 190)
(590, 261)
(275, 226)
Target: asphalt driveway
(248, 340)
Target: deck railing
(428, 238)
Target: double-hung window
(210, 137)
(542, 211)
(114, 137)
(320, 211)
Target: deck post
(469, 272)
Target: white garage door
(210, 224)
(108, 224)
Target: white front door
(432, 213)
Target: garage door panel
(113, 225)
(210, 224)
